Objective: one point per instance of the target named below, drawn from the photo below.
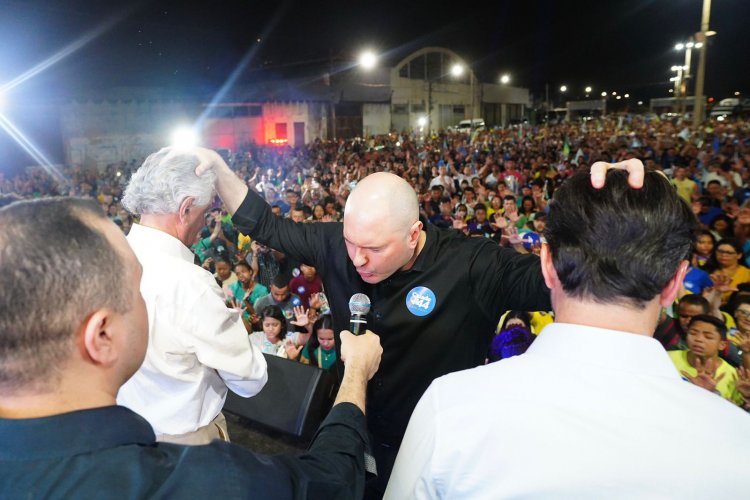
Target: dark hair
(56, 268)
(275, 312)
(522, 315)
(707, 318)
(325, 322)
(695, 299)
(280, 281)
(243, 263)
(618, 243)
(742, 299)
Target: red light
(710, 99)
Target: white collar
(612, 349)
(158, 241)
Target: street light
(588, 89)
(457, 70)
(184, 138)
(627, 96)
(505, 79)
(368, 59)
(563, 88)
(604, 93)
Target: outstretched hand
(300, 317)
(706, 376)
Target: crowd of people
(493, 185)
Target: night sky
(625, 46)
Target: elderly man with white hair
(197, 347)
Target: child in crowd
(271, 339)
(701, 364)
(320, 350)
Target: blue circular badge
(420, 301)
(296, 301)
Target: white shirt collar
(612, 349)
(159, 242)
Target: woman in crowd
(245, 290)
(722, 227)
(726, 271)
(320, 351)
(704, 247)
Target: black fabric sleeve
(306, 243)
(504, 279)
(334, 465)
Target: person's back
(607, 426)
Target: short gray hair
(165, 179)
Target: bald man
(436, 294)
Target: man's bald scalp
(384, 194)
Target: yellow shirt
(685, 189)
(741, 275)
(726, 385)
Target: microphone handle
(358, 324)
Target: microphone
(359, 306)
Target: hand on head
(634, 167)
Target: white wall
(376, 119)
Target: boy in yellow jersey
(701, 364)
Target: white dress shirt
(585, 413)
(197, 346)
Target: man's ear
(414, 232)
(668, 294)
(98, 340)
(185, 206)
(548, 268)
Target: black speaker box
(295, 400)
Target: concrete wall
(376, 119)
(96, 133)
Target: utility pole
(698, 107)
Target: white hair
(164, 180)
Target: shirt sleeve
(306, 243)
(412, 475)
(504, 279)
(220, 341)
(334, 465)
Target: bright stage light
(184, 138)
(368, 59)
(422, 121)
(505, 79)
(457, 70)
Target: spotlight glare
(422, 121)
(184, 138)
(604, 94)
(368, 59)
(457, 70)
(505, 79)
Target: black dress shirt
(111, 452)
(471, 281)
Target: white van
(469, 126)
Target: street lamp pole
(698, 108)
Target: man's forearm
(353, 388)
(231, 189)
